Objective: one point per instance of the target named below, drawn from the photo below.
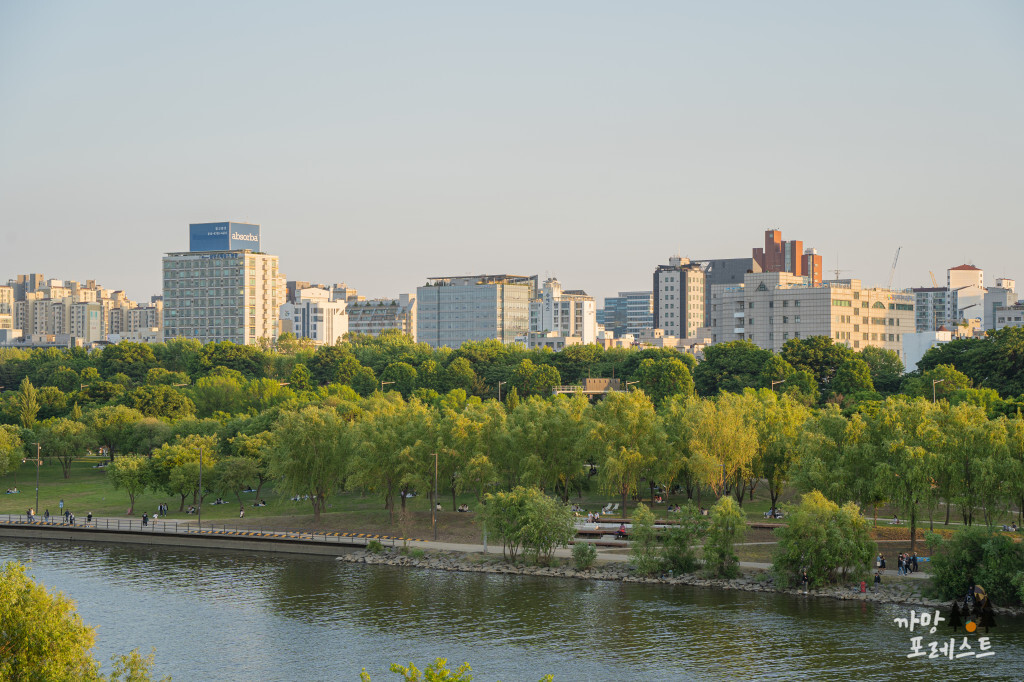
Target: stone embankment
(904, 594)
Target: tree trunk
(316, 508)
(624, 504)
(947, 512)
(651, 483)
(913, 528)
(403, 493)
(453, 497)
(181, 507)
(131, 504)
(389, 504)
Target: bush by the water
(978, 556)
(728, 524)
(583, 555)
(830, 542)
(374, 547)
(679, 549)
(527, 519)
(644, 551)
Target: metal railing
(175, 527)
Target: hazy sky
(383, 143)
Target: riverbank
(905, 593)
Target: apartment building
(969, 284)
(313, 315)
(934, 307)
(376, 315)
(771, 308)
(220, 292)
(453, 310)
(679, 297)
(1003, 295)
(6, 300)
(564, 313)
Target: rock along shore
(759, 581)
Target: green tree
(818, 355)
(549, 435)
(129, 358)
(530, 379)
(830, 542)
(314, 447)
(549, 524)
(681, 540)
(129, 473)
(886, 368)
(11, 449)
(301, 378)
(723, 440)
(395, 446)
(230, 474)
(726, 528)
(43, 638)
(852, 377)
(27, 403)
(402, 375)
(644, 551)
(460, 374)
(64, 440)
(174, 467)
(977, 556)
(159, 401)
(158, 376)
(224, 392)
(779, 423)
(113, 426)
(661, 379)
(730, 366)
(628, 443)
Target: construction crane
(934, 282)
(892, 270)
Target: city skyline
(381, 148)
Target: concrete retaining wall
(219, 542)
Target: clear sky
(383, 143)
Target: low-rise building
(376, 315)
(563, 313)
(772, 307)
(917, 344)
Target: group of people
(11, 491)
(906, 563)
(463, 507)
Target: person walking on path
(804, 580)
(46, 516)
(145, 519)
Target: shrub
(374, 547)
(727, 527)
(830, 542)
(527, 519)
(977, 555)
(584, 555)
(644, 551)
(417, 553)
(679, 550)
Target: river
(236, 616)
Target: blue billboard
(223, 236)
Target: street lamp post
(935, 381)
(199, 510)
(629, 383)
(383, 384)
(433, 511)
(780, 381)
(499, 389)
(38, 462)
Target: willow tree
(724, 442)
(628, 442)
(550, 434)
(314, 446)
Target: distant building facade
(565, 313)
(453, 310)
(781, 256)
(934, 307)
(679, 297)
(373, 316)
(628, 313)
(222, 295)
(314, 316)
(771, 308)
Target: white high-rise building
(679, 297)
(969, 284)
(315, 316)
(564, 313)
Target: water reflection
(232, 615)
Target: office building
(1009, 316)
(376, 315)
(917, 344)
(222, 295)
(314, 316)
(628, 313)
(453, 310)
(771, 308)
(679, 297)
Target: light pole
(383, 384)
(199, 510)
(433, 510)
(781, 381)
(38, 462)
(629, 383)
(499, 389)
(935, 381)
